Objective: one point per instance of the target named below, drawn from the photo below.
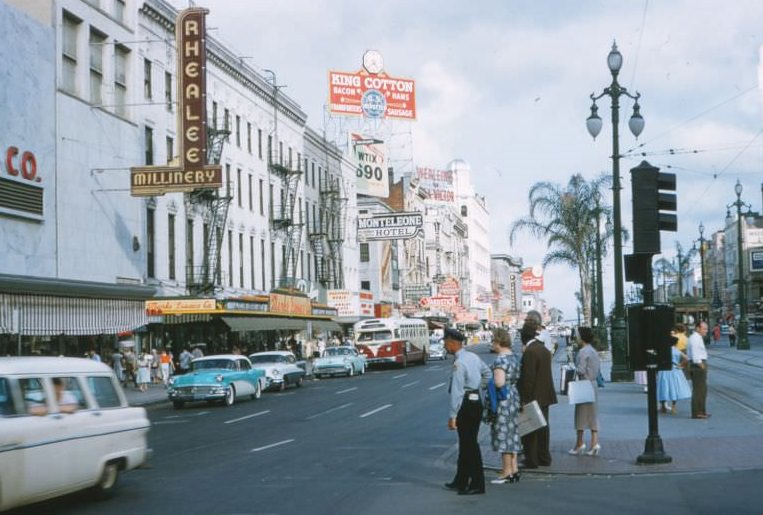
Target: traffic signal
(654, 207)
(649, 338)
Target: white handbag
(580, 391)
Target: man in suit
(536, 384)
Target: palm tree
(675, 269)
(565, 217)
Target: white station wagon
(65, 425)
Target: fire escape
(327, 235)
(282, 217)
(204, 279)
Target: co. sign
(26, 166)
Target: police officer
(468, 375)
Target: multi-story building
(506, 283)
(474, 212)
(100, 84)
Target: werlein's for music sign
(193, 172)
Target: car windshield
(268, 358)
(369, 336)
(338, 351)
(207, 364)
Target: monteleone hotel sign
(191, 171)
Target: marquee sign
(397, 226)
(193, 171)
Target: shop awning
(243, 324)
(46, 315)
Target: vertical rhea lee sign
(192, 172)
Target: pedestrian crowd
(502, 394)
(498, 395)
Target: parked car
(222, 377)
(437, 349)
(281, 369)
(342, 360)
(65, 425)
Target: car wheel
(257, 391)
(230, 396)
(178, 404)
(351, 371)
(104, 488)
(299, 382)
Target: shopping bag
(566, 375)
(530, 418)
(580, 391)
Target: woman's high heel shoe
(594, 450)
(514, 478)
(577, 451)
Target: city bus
(400, 341)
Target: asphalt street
(378, 444)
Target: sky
(505, 85)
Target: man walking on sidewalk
(698, 363)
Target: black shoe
(471, 491)
(451, 486)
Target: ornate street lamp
(743, 343)
(620, 370)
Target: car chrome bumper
(391, 359)
(331, 370)
(196, 393)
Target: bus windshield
(371, 336)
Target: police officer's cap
(453, 334)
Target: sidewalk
(156, 393)
(730, 440)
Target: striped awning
(47, 315)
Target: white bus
(393, 340)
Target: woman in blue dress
(672, 385)
(504, 431)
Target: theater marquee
(193, 172)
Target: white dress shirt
(696, 348)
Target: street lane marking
(347, 390)
(409, 384)
(399, 376)
(159, 422)
(258, 449)
(246, 417)
(329, 411)
(377, 410)
(435, 387)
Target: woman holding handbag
(504, 430)
(587, 366)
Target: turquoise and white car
(342, 360)
(223, 377)
(281, 369)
